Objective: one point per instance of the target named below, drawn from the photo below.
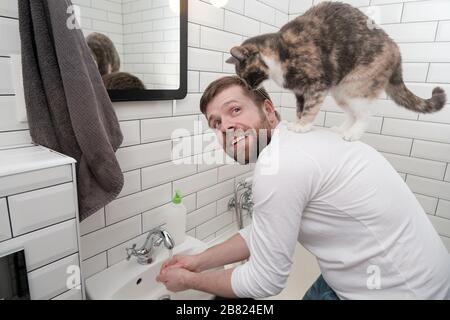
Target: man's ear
(239, 53)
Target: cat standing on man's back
(332, 48)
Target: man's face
(242, 127)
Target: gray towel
(68, 107)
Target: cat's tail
(398, 91)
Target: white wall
(418, 146)
(103, 16)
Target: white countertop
(15, 160)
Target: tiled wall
(417, 145)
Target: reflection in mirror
(135, 43)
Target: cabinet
(39, 214)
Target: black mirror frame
(153, 95)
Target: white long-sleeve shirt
(346, 205)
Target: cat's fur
(332, 48)
(104, 52)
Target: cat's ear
(239, 53)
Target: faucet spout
(166, 239)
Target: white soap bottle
(176, 219)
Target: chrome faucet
(144, 255)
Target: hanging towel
(68, 107)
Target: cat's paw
(298, 127)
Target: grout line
(437, 29)
(410, 151)
(7, 17)
(428, 72)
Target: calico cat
(332, 48)
(104, 52)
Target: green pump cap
(177, 198)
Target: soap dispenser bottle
(176, 219)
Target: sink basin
(128, 280)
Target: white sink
(128, 280)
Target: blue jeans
(320, 290)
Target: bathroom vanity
(39, 215)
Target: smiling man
(342, 201)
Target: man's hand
(175, 278)
(190, 263)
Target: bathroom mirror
(140, 46)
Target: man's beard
(260, 137)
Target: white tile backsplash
(412, 32)
(441, 225)
(137, 203)
(439, 72)
(132, 183)
(431, 150)
(167, 128)
(429, 204)
(425, 52)
(388, 144)
(259, 11)
(166, 172)
(205, 14)
(299, 6)
(218, 40)
(429, 187)
(103, 239)
(204, 60)
(384, 14)
(8, 9)
(196, 182)
(144, 155)
(201, 215)
(443, 209)
(419, 167)
(94, 265)
(242, 25)
(214, 193)
(417, 129)
(92, 223)
(443, 33)
(6, 81)
(131, 134)
(9, 32)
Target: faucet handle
(131, 251)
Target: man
(341, 200)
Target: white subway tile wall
(418, 146)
